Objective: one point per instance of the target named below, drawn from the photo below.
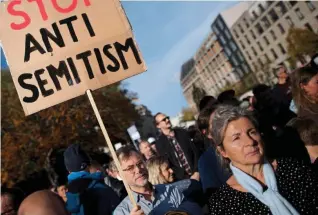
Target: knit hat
(75, 158)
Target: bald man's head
(43, 202)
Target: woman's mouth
(254, 152)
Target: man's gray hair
(125, 152)
(225, 114)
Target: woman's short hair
(153, 166)
(306, 128)
(223, 115)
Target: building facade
(213, 66)
(247, 43)
(221, 26)
(261, 33)
(188, 78)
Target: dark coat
(166, 149)
(116, 185)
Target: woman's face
(167, 172)
(311, 88)
(242, 143)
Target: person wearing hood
(87, 193)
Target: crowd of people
(255, 156)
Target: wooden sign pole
(110, 146)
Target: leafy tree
(197, 95)
(27, 140)
(301, 42)
(188, 115)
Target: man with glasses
(176, 146)
(158, 199)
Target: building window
(273, 34)
(227, 33)
(254, 15)
(241, 29)
(220, 24)
(233, 46)
(274, 54)
(227, 51)
(266, 40)
(310, 5)
(282, 50)
(267, 58)
(260, 62)
(290, 21)
(261, 8)
(282, 30)
(260, 46)
(249, 56)
(308, 26)
(292, 3)
(259, 29)
(246, 23)
(235, 33)
(281, 8)
(273, 15)
(254, 52)
(247, 40)
(253, 35)
(222, 40)
(246, 70)
(265, 22)
(299, 14)
(234, 60)
(242, 44)
(240, 56)
(216, 30)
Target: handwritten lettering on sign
(57, 49)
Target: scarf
(277, 204)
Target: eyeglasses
(164, 119)
(131, 168)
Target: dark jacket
(166, 149)
(99, 199)
(212, 174)
(117, 186)
(282, 94)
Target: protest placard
(56, 50)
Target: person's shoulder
(216, 199)
(289, 162)
(78, 185)
(293, 166)
(103, 191)
(180, 130)
(124, 207)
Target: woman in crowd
(159, 171)
(258, 185)
(304, 82)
